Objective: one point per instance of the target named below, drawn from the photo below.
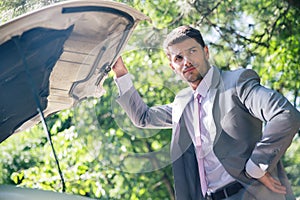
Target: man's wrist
(119, 74)
(253, 171)
(124, 83)
(247, 175)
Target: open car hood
(56, 56)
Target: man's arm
(282, 121)
(140, 114)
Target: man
(224, 141)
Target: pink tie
(199, 153)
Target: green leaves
(96, 143)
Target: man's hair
(180, 34)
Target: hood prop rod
(39, 109)
(46, 129)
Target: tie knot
(197, 96)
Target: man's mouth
(188, 69)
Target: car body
(54, 57)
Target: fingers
(277, 187)
(273, 184)
(118, 64)
(119, 68)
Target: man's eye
(193, 50)
(178, 58)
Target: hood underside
(54, 57)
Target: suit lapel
(180, 102)
(178, 106)
(212, 107)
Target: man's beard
(192, 79)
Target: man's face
(189, 60)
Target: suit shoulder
(239, 74)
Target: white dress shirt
(216, 175)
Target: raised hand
(119, 68)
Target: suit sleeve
(281, 119)
(141, 114)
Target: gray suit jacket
(239, 107)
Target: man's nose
(187, 62)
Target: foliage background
(94, 141)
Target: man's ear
(206, 51)
(170, 64)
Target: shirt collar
(205, 84)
